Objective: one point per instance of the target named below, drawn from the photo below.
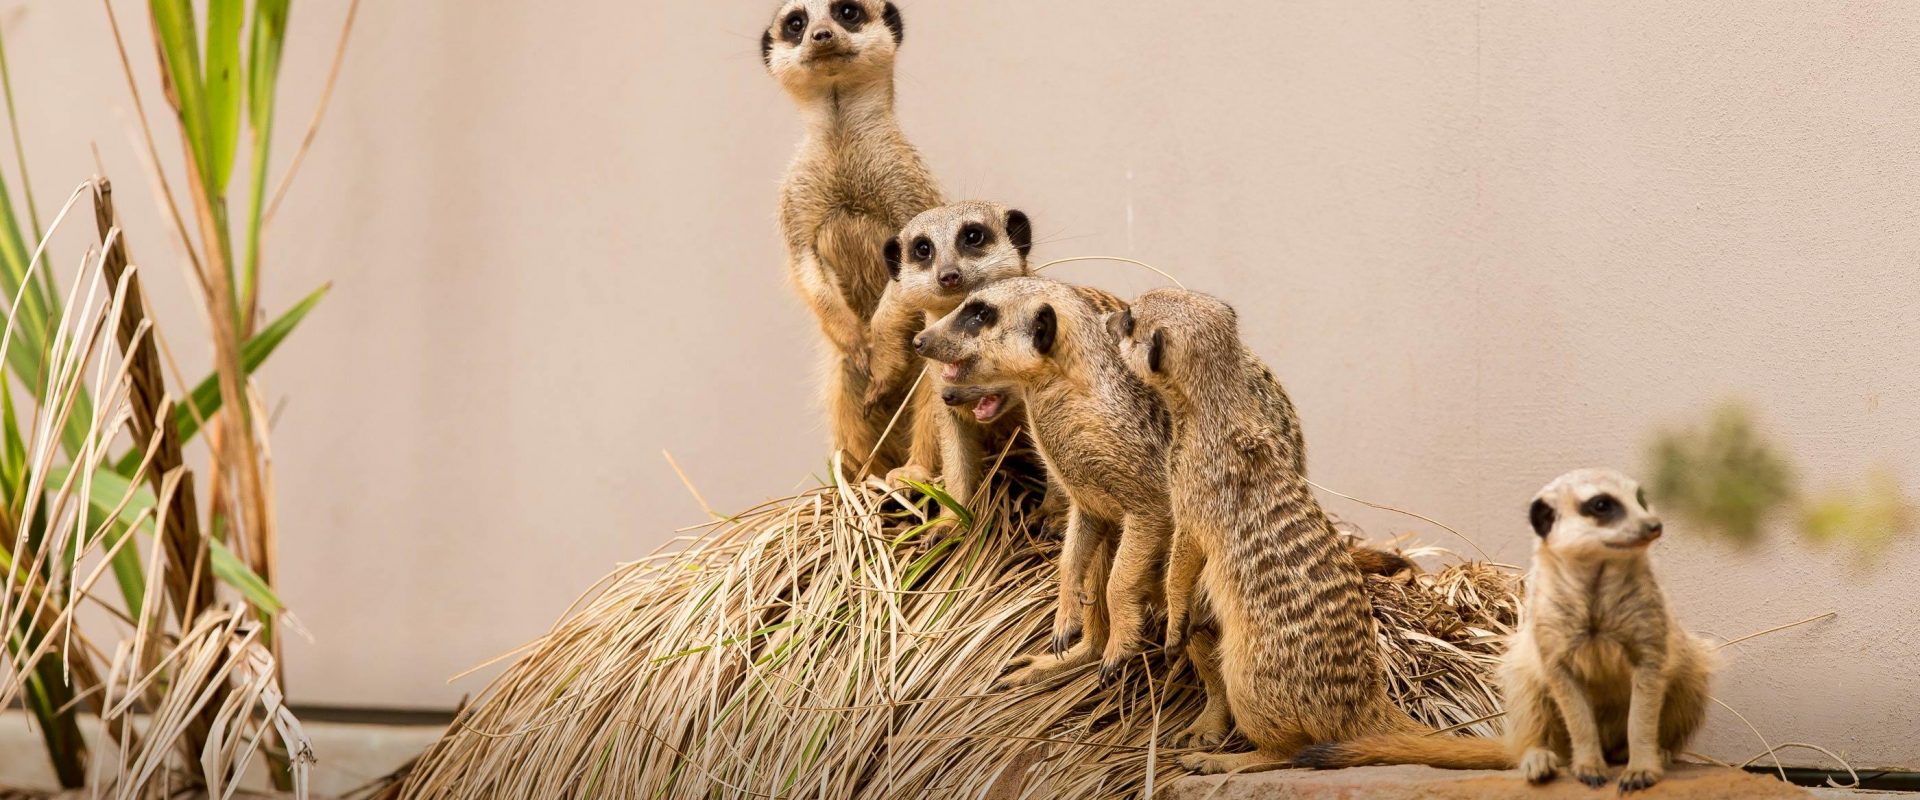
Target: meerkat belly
(1600, 664)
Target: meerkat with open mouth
(939, 258)
(854, 182)
(1102, 435)
(1599, 670)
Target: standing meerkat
(1296, 660)
(1599, 671)
(1102, 435)
(940, 257)
(853, 183)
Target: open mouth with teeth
(989, 406)
(987, 403)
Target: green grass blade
(263, 76)
(945, 500)
(224, 89)
(178, 40)
(13, 458)
(233, 572)
(206, 395)
(105, 493)
(45, 280)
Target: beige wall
(1483, 243)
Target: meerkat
(1102, 436)
(1295, 658)
(1600, 670)
(940, 257)
(854, 181)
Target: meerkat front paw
(1638, 777)
(1539, 765)
(1119, 652)
(1066, 633)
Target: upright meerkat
(1296, 660)
(853, 183)
(1102, 435)
(940, 257)
(1599, 671)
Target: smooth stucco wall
(1482, 242)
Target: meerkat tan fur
(937, 259)
(1296, 658)
(1599, 671)
(854, 181)
(1102, 435)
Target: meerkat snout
(950, 279)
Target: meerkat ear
(891, 15)
(1044, 330)
(1020, 231)
(1542, 516)
(1156, 348)
(766, 47)
(891, 252)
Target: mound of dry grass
(833, 645)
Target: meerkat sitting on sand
(1599, 671)
(1102, 435)
(1296, 660)
(854, 181)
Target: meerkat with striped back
(854, 181)
(1291, 655)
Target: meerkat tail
(1447, 752)
(1372, 561)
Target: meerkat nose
(823, 35)
(1654, 529)
(920, 344)
(949, 279)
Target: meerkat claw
(1634, 780)
(1064, 639)
(1591, 777)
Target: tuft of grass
(1867, 520)
(818, 646)
(1724, 476)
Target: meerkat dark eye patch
(1541, 515)
(850, 15)
(1156, 348)
(891, 252)
(793, 26)
(922, 248)
(1602, 508)
(1045, 328)
(975, 316)
(973, 240)
(891, 16)
(766, 48)
(1019, 231)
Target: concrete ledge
(1427, 783)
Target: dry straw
(834, 644)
